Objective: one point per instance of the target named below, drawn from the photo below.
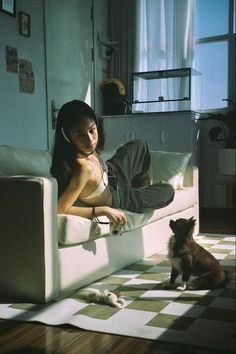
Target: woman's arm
(72, 192)
(115, 216)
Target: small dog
(198, 267)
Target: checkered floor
(203, 318)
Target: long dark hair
(64, 152)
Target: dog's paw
(182, 287)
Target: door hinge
(54, 113)
(92, 54)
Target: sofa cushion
(75, 229)
(184, 199)
(22, 161)
(169, 167)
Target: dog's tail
(208, 281)
(229, 276)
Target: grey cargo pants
(131, 161)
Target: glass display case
(166, 90)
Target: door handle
(163, 136)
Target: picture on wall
(24, 24)
(26, 76)
(11, 59)
(8, 6)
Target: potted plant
(227, 131)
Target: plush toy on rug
(105, 297)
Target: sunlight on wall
(88, 95)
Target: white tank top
(100, 188)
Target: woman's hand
(116, 217)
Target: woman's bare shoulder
(82, 168)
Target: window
(164, 40)
(215, 51)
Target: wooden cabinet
(167, 131)
(118, 130)
(147, 128)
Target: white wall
(23, 117)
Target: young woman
(90, 187)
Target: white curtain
(164, 40)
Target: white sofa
(44, 256)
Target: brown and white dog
(198, 267)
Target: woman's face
(84, 136)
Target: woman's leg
(133, 161)
(156, 196)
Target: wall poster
(11, 59)
(26, 76)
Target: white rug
(197, 318)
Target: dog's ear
(172, 225)
(192, 221)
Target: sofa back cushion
(169, 166)
(22, 161)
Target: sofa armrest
(28, 239)
(191, 176)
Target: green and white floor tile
(203, 318)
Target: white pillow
(23, 161)
(169, 167)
